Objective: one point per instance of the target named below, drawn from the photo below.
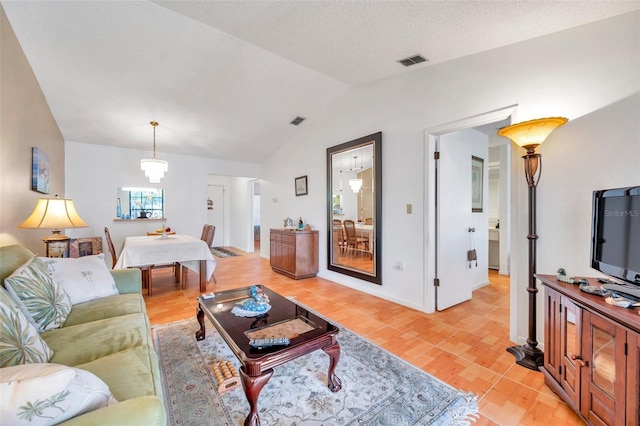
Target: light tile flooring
(464, 346)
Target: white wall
(93, 172)
(576, 73)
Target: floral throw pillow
(45, 300)
(20, 342)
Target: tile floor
(464, 346)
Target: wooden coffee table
(307, 332)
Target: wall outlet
(409, 208)
(400, 265)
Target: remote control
(276, 341)
(208, 296)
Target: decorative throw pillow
(20, 342)
(47, 394)
(83, 279)
(46, 302)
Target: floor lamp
(528, 135)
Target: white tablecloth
(365, 231)
(153, 250)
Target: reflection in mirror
(354, 204)
(140, 203)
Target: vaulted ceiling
(225, 78)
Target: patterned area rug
(378, 388)
(223, 252)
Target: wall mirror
(139, 203)
(354, 206)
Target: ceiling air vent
(407, 62)
(297, 120)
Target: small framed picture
(477, 184)
(39, 171)
(79, 247)
(301, 185)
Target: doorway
(438, 294)
(215, 213)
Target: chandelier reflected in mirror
(153, 168)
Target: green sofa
(111, 338)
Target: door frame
(429, 241)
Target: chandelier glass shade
(355, 184)
(153, 168)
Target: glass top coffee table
(306, 331)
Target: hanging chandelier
(153, 168)
(356, 183)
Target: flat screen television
(615, 233)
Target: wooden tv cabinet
(591, 353)
(294, 253)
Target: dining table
(191, 252)
(363, 230)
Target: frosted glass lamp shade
(532, 133)
(355, 184)
(154, 169)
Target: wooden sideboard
(591, 353)
(294, 253)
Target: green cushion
(46, 301)
(20, 342)
(146, 410)
(106, 307)
(137, 373)
(82, 343)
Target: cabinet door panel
(552, 333)
(603, 396)
(633, 380)
(570, 347)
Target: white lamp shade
(355, 184)
(54, 214)
(154, 169)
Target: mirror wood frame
(375, 140)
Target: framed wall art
(301, 185)
(477, 184)
(40, 172)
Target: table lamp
(54, 214)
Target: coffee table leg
(252, 386)
(200, 334)
(335, 384)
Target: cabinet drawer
(289, 238)
(276, 237)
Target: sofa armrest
(128, 280)
(144, 410)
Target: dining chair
(353, 241)
(145, 269)
(342, 241)
(208, 232)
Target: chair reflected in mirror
(353, 241)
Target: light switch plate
(409, 208)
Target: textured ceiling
(225, 78)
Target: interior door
(215, 213)
(453, 213)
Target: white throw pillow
(47, 394)
(45, 300)
(85, 278)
